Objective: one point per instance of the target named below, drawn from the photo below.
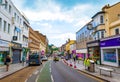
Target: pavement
(78, 65)
(12, 69)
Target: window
(98, 35)
(101, 19)
(6, 4)
(8, 28)
(20, 20)
(116, 31)
(4, 26)
(0, 23)
(9, 8)
(19, 36)
(15, 16)
(102, 34)
(0, 1)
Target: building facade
(82, 37)
(11, 31)
(34, 41)
(110, 46)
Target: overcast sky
(60, 19)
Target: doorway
(119, 56)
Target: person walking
(23, 60)
(7, 62)
(74, 57)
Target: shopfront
(16, 51)
(4, 50)
(110, 51)
(82, 53)
(93, 48)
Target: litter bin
(92, 66)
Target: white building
(14, 28)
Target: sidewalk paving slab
(12, 69)
(105, 75)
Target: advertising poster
(110, 57)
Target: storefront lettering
(102, 43)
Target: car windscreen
(34, 56)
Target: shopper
(7, 62)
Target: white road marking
(51, 74)
(52, 78)
(36, 72)
(40, 72)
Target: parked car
(44, 58)
(34, 59)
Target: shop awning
(81, 51)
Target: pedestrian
(74, 57)
(7, 62)
(23, 60)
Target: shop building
(11, 30)
(110, 51)
(82, 37)
(6, 29)
(93, 49)
(97, 26)
(25, 35)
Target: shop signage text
(110, 42)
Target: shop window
(116, 31)
(110, 55)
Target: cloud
(64, 36)
(49, 11)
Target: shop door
(16, 56)
(119, 56)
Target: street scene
(59, 41)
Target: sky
(59, 20)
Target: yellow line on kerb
(92, 77)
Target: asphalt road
(63, 73)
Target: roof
(101, 12)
